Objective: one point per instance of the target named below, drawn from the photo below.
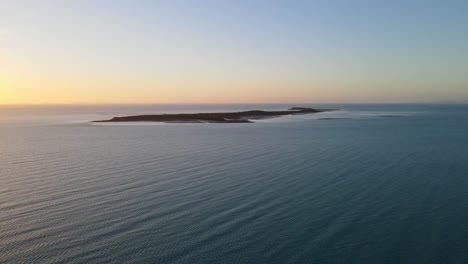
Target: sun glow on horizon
(171, 52)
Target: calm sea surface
(387, 185)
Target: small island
(230, 117)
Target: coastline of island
(228, 117)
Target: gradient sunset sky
(236, 51)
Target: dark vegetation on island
(232, 117)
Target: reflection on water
(295, 189)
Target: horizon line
(239, 103)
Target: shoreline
(228, 117)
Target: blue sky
(233, 51)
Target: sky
(224, 51)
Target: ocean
(365, 184)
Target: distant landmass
(450, 102)
(229, 117)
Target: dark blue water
(369, 189)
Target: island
(229, 117)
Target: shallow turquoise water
(370, 189)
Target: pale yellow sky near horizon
(134, 92)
